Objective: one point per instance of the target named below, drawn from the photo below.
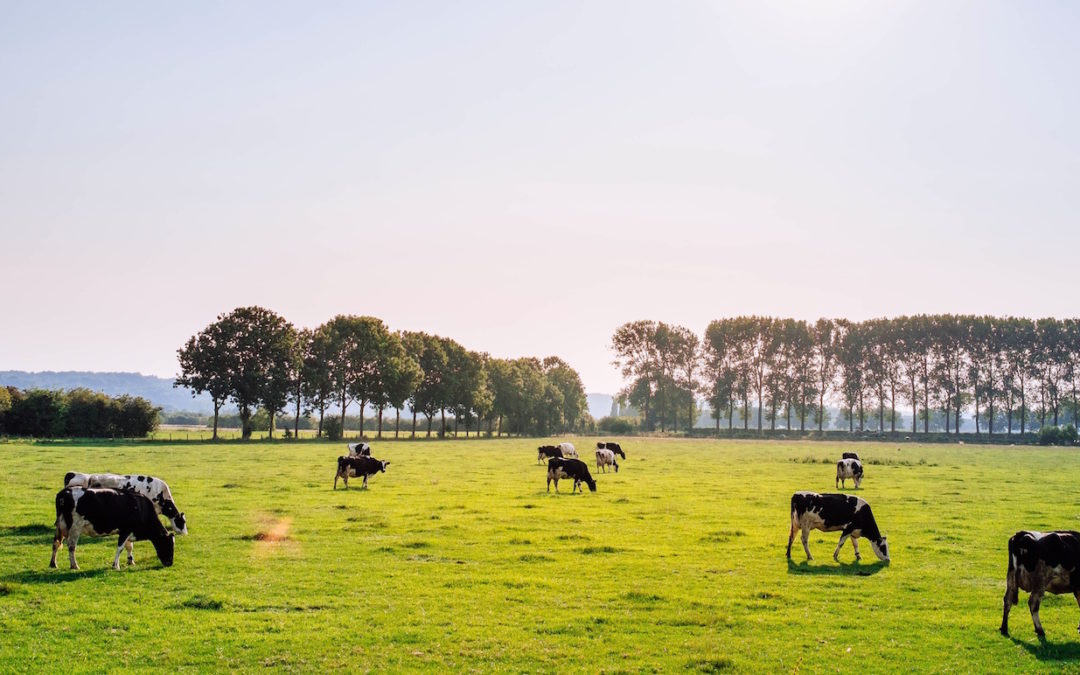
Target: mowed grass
(457, 559)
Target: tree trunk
(442, 434)
(892, 407)
(914, 408)
(296, 424)
(217, 409)
(413, 424)
(759, 406)
(322, 411)
(270, 432)
(821, 409)
(975, 388)
(363, 404)
(245, 423)
(378, 434)
(428, 425)
(344, 404)
(498, 433)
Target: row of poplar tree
(255, 359)
(1002, 373)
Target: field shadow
(29, 530)
(54, 576)
(1047, 651)
(843, 569)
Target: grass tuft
(593, 550)
(202, 602)
(714, 665)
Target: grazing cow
(358, 466)
(850, 455)
(359, 449)
(832, 512)
(1041, 562)
(154, 489)
(562, 467)
(100, 512)
(567, 449)
(848, 468)
(547, 451)
(614, 447)
(604, 459)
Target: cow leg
(1011, 598)
(364, 486)
(1077, 596)
(806, 542)
(549, 485)
(836, 553)
(72, 542)
(616, 466)
(130, 546)
(121, 544)
(855, 545)
(58, 540)
(791, 534)
(1034, 600)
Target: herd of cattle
(130, 505)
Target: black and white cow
(154, 489)
(604, 459)
(1041, 562)
(100, 512)
(614, 447)
(358, 466)
(847, 514)
(359, 449)
(564, 467)
(547, 451)
(850, 455)
(848, 468)
(567, 449)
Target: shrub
(1049, 435)
(332, 427)
(617, 425)
(1068, 435)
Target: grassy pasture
(456, 559)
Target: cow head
(599, 445)
(881, 548)
(164, 546)
(591, 483)
(384, 465)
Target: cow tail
(1012, 591)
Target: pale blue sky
(526, 177)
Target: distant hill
(157, 390)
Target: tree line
(1004, 374)
(257, 360)
(78, 413)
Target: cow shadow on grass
(1048, 651)
(843, 569)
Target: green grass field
(457, 559)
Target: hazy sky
(525, 177)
